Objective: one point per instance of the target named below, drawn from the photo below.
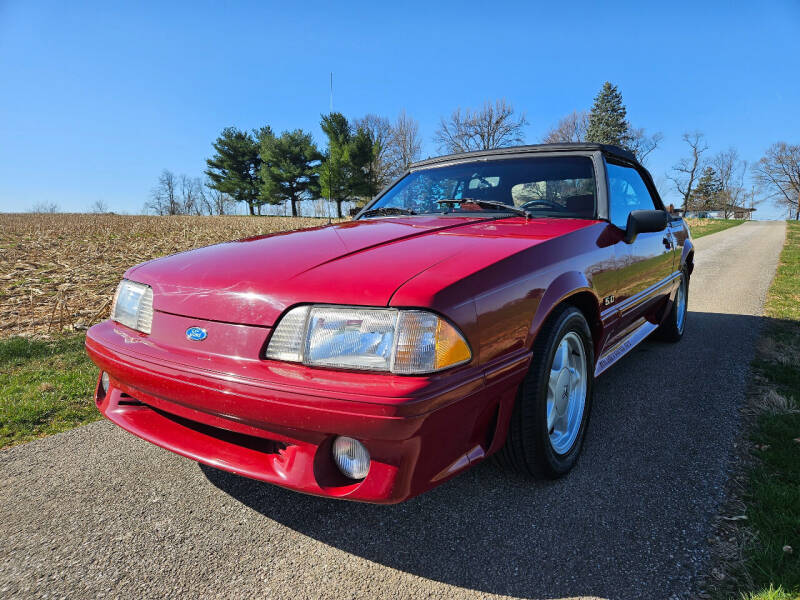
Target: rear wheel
(553, 402)
(671, 330)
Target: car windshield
(542, 186)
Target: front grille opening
(251, 442)
(127, 400)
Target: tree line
(718, 182)
(361, 157)
(260, 168)
(703, 182)
(183, 195)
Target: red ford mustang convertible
(464, 312)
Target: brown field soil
(59, 272)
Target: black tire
(528, 449)
(671, 330)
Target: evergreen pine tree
(361, 152)
(607, 120)
(334, 175)
(235, 168)
(706, 195)
(347, 172)
(289, 168)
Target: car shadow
(629, 521)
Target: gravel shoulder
(95, 512)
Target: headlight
(133, 305)
(376, 339)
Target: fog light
(104, 382)
(351, 457)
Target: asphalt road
(98, 513)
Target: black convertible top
(604, 148)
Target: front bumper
(418, 436)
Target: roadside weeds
(755, 545)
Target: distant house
(739, 212)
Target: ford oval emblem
(196, 334)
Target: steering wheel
(543, 202)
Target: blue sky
(97, 98)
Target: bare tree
(685, 174)
(187, 196)
(98, 207)
(164, 197)
(45, 207)
(405, 145)
(380, 131)
(730, 170)
(204, 204)
(494, 125)
(642, 144)
(778, 172)
(570, 129)
(221, 203)
(192, 196)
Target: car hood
(252, 281)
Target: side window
(627, 192)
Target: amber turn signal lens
(426, 343)
(451, 348)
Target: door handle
(667, 242)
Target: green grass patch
(701, 227)
(772, 494)
(783, 300)
(46, 386)
(770, 594)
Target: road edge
(726, 575)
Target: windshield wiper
(488, 203)
(387, 210)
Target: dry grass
(756, 558)
(59, 272)
(701, 227)
(772, 402)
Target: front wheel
(553, 402)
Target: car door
(645, 266)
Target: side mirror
(644, 221)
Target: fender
(688, 249)
(564, 286)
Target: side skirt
(625, 345)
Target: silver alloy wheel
(566, 393)
(680, 306)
